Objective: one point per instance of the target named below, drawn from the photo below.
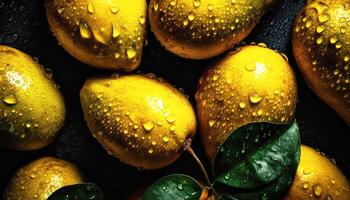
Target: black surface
(23, 25)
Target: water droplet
(191, 16)
(114, 9)
(328, 197)
(255, 98)
(32, 176)
(155, 7)
(332, 181)
(319, 40)
(115, 31)
(180, 186)
(150, 151)
(171, 119)
(172, 128)
(10, 100)
(305, 185)
(333, 39)
(28, 125)
(211, 123)
(242, 105)
(165, 189)
(306, 172)
(142, 20)
(166, 139)
(317, 190)
(173, 3)
(210, 7)
(323, 18)
(85, 32)
(196, 3)
(185, 22)
(346, 58)
(116, 55)
(250, 67)
(91, 8)
(320, 28)
(154, 143)
(131, 53)
(148, 126)
(227, 177)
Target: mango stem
(188, 148)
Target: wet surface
(23, 25)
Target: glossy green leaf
(257, 154)
(274, 190)
(84, 191)
(176, 186)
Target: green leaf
(176, 186)
(275, 190)
(78, 192)
(257, 154)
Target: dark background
(23, 25)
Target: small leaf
(176, 186)
(78, 192)
(257, 154)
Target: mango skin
(142, 121)
(318, 178)
(203, 29)
(252, 84)
(40, 178)
(32, 109)
(321, 47)
(101, 33)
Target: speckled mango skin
(40, 178)
(101, 33)
(32, 109)
(252, 84)
(142, 121)
(321, 45)
(318, 178)
(203, 29)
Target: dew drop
(166, 139)
(242, 105)
(305, 185)
(10, 100)
(323, 18)
(333, 39)
(142, 20)
(196, 3)
(91, 8)
(255, 98)
(85, 32)
(114, 9)
(317, 190)
(211, 123)
(319, 40)
(210, 7)
(116, 55)
(131, 53)
(180, 186)
(148, 126)
(171, 119)
(191, 16)
(320, 28)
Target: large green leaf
(275, 190)
(176, 186)
(257, 154)
(84, 191)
